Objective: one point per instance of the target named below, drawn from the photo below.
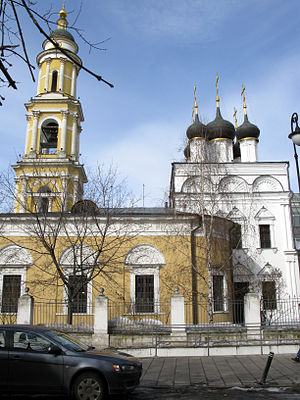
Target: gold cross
(244, 100)
(195, 95)
(217, 86)
(234, 115)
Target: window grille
(144, 293)
(78, 294)
(10, 293)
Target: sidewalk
(219, 371)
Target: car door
(4, 355)
(32, 368)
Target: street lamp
(295, 136)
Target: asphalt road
(197, 393)
(192, 393)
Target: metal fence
(284, 312)
(214, 313)
(55, 314)
(138, 318)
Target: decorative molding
(13, 255)
(264, 214)
(78, 256)
(197, 185)
(266, 184)
(144, 254)
(231, 184)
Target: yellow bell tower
(49, 178)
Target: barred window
(265, 236)
(10, 293)
(78, 294)
(269, 295)
(218, 292)
(144, 293)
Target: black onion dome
(187, 152)
(236, 150)
(62, 33)
(197, 129)
(247, 130)
(219, 128)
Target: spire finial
(192, 114)
(217, 87)
(195, 95)
(62, 22)
(234, 116)
(244, 100)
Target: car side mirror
(53, 349)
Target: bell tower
(49, 177)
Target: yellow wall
(45, 285)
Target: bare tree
(71, 249)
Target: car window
(30, 341)
(2, 340)
(67, 341)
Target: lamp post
(295, 136)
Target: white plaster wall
(265, 185)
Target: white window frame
(21, 271)
(266, 220)
(145, 270)
(89, 295)
(144, 259)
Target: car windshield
(67, 341)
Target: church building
(226, 230)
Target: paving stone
(219, 371)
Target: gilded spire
(192, 114)
(217, 96)
(234, 116)
(244, 101)
(196, 105)
(62, 23)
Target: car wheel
(88, 386)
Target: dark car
(36, 360)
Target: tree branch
(65, 52)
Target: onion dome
(247, 130)
(62, 24)
(187, 152)
(219, 128)
(236, 150)
(197, 129)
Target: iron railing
(280, 312)
(214, 313)
(55, 314)
(130, 317)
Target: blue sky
(156, 52)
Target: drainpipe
(194, 271)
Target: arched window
(54, 81)
(49, 135)
(43, 200)
(144, 261)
